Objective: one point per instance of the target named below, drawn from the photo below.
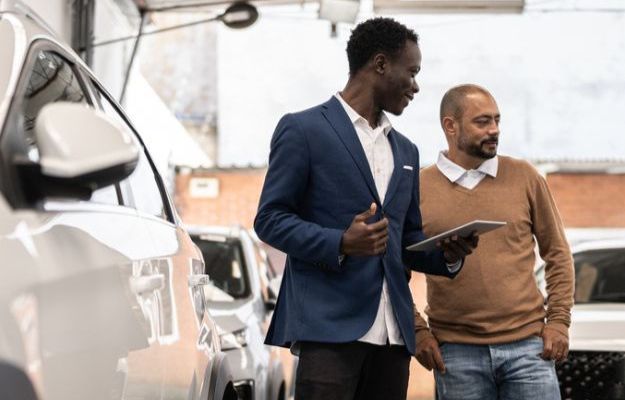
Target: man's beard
(475, 150)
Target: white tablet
(477, 226)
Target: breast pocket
(402, 191)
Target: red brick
(589, 200)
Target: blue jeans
(509, 371)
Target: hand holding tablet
(477, 226)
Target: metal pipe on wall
(83, 20)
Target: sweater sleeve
(422, 331)
(554, 250)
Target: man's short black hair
(377, 35)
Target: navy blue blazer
(318, 180)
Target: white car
(595, 368)
(101, 289)
(241, 300)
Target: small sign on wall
(204, 188)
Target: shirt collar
(453, 171)
(490, 166)
(355, 118)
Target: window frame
(167, 205)
(10, 183)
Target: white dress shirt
(379, 154)
(468, 179)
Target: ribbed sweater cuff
(558, 326)
(422, 334)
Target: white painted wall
(557, 77)
(110, 61)
(56, 13)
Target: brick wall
(584, 200)
(589, 200)
(236, 203)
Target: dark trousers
(351, 371)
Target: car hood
(232, 316)
(229, 324)
(598, 327)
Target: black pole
(83, 12)
(89, 31)
(132, 57)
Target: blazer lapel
(338, 119)
(397, 168)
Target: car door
(185, 332)
(68, 309)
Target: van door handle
(199, 280)
(147, 283)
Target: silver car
(101, 290)
(241, 299)
(595, 368)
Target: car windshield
(225, 267)
(600, 276)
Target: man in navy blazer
(341, 199)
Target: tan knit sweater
(494, 298)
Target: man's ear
(450, 126)
(380, 63)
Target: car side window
(141, 189)
(50, 78)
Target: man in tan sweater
(490, 335)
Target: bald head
(470, 119)
(453, 103)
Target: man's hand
(429, 355)
(456, 248)
(555, 345)
(362, 239)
